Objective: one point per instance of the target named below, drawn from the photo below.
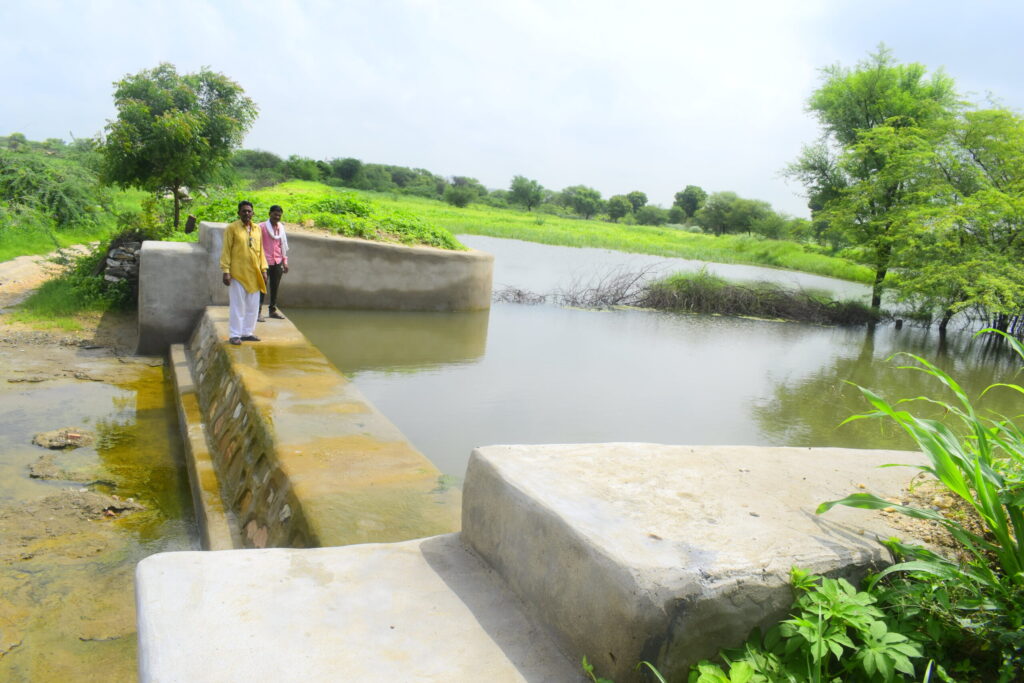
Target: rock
(68, 437)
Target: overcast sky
(616, 95)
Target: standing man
(244, 269)
(275, 247)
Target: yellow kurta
(242, 256)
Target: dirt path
(20, 276)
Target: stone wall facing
(303, 459)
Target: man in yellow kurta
(244, 268)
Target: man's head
(275, 214)
(245, 211)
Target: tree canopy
(525, 192)
(174, 131)
(860, 176)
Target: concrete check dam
(337, 552)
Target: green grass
(61, 303)
(27, 233)
(477, 219)
(343, 212)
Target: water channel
(547, 374)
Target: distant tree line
(719, 213)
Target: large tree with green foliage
(174, 131)
(690, 199)
(874, 117)
(637, 200)
(968, 249)
(618, 207)
(525, 192)
(586, 201)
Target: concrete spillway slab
(667, 553)
(423, 610)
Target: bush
(705, 293)
(64, 190)
(459, 195)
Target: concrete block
(172, 293)
(667, 553)
(423, 610)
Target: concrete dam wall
(179, 280)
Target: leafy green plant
(979, 596)
(835, 633)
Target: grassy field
(548, 229)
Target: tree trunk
(876, 289)
(177, 207)
(946, 316)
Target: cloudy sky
(648, 95)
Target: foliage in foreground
(344, 213)
(835, 633)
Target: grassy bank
(642, 239)
(299, 199)
(345, 213)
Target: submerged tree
(174, 131)
(862, 182)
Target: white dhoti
(243, 309)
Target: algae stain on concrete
(66, 573)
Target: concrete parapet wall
(173, 292)
(303, 459)
(177, 281)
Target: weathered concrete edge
(619, 616)
(215, 530)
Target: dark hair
(245, 202)
(275, 207)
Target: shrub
(65, 190)
(459, 195)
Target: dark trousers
(274, 274)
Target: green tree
(861, 187)
(585, 201)
(618, 207)
(651, 215)
(16, 141)
(525, 192)
(690, 199)
(727, 213)
(460, 195)
(173, 131)
(637, 200)
(967, 251)
(302, 168)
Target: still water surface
(545, 374)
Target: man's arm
(225, 255)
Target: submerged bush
(703, 292)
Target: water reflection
(543, 374)
(371, 340)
